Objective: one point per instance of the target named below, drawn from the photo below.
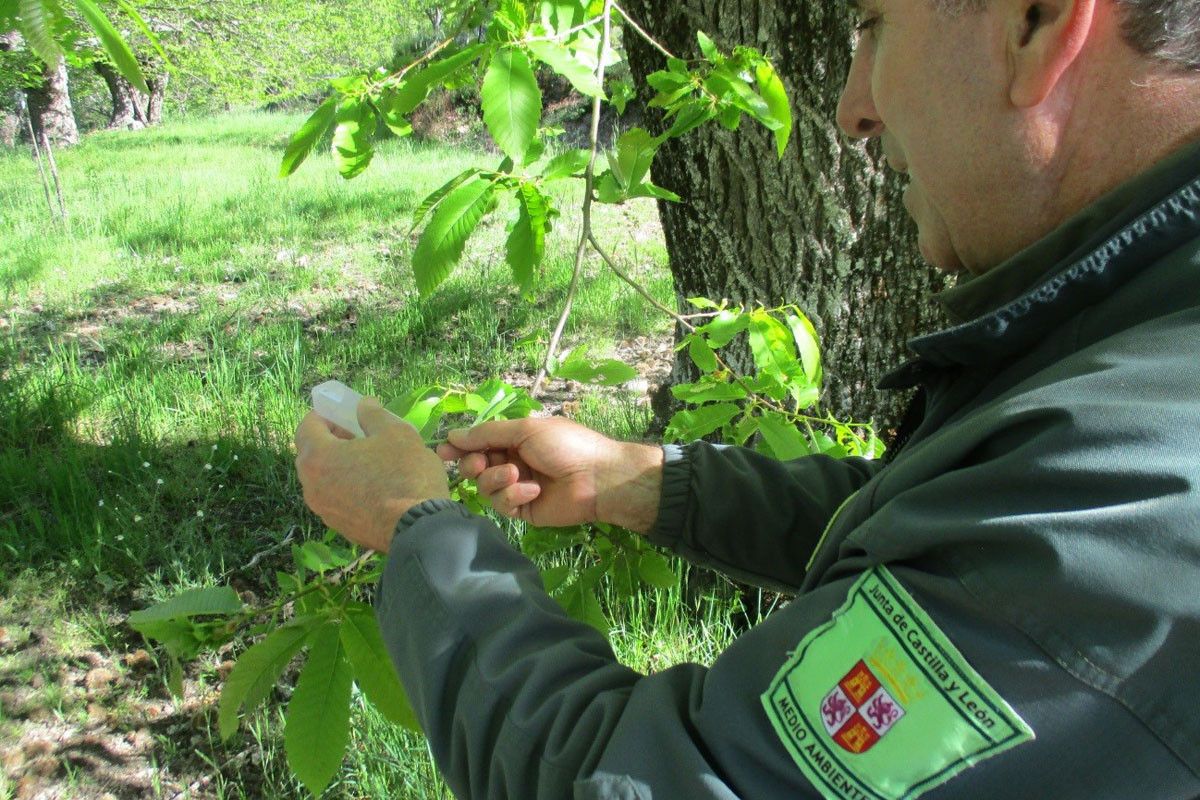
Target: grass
(155, 353)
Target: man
(1010, 608)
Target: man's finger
(501, 434)
(472, 465)
(374, 419)
(312, 430)
(509, 501)
(448, 452)
(493, 480)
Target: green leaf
(564, 62)
(648, 189)
(122, 57)
(579, 600)
(554, 577)
(431, 202)
(36, 26)
(317, 726)
(771, 343)
(256, 672)
(807, 344)
(177, 636)
(356, 126)
(621, 93)
(512, 102)
(708, 391)
(527, 240)
(773, 92)
(540, 541)
(687, 426)
(691, 116)
(708, 48)
(175, 678)
(702, 355)
(723, 327)
(654, 569)
(442, 243)
(373, 669)
(416, 86)
(190, 603)
(305, 139)
(567, 164)
(606, 372)
(784, 438)
(635, 154)
(703, 303)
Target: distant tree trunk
(10, 119)
(823, 228)
(50, 108)
(157, 83)
(125, 112)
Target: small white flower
(200, 514)
(214, 448)
(120, 538)
(208, 466)
(235, 458)
(220, 486)
(137, 517)
(101, 504)
(146, 464)
(159, 482)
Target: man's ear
(1045, 38)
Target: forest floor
(155, 354)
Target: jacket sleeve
(518, 701)
(749, 516)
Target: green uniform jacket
(1010, 608)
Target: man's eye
(865, 25)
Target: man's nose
(856, 112)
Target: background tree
(823, 229)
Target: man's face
(932, 86)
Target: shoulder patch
(877, 704)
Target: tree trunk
(157, 83)
(50, 108)
(125, 112)
(10, 119)
(823, 228)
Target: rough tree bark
(126, 112)
(10, 119)
(157, 83)
(823, 228)
(50, 108)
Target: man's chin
(941, 257)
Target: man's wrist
(629, 488)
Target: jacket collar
(1087, 258)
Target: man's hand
(555, 473)
(361, 487)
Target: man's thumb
(494, 435)
(373, 418)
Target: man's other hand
(555, 473)
(361, 487)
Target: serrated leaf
(190, 603)
(723, 327)
(373, 669)
(635, 154)
(708, 391)
(431, 202)
(442, 243)
(784, 438)
(621, 92)
(648, 189)
(255, 674)
(579, 600)
(512, 102)
(317, 724)
(690, 117)
(773, 92)
(771, 343)
(565, 165)
(708, 48)
(807, 343)
(689, 425)
(526, 243)
(116, 48)
(36, 27)
(305, 139)
(605, 372)
(416, 86)
(702, 355)
(353, 137)
(703, 303)
(554, 577)
(654, 569)
(563, 61)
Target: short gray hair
(1165, 30)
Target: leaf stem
(641, 32)
(589, 184)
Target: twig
(589, 182)
(675, 315)
(430, 53)
(564, 35)
(259, 556)
(642, 32)
(37, 152)
(62, 207)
